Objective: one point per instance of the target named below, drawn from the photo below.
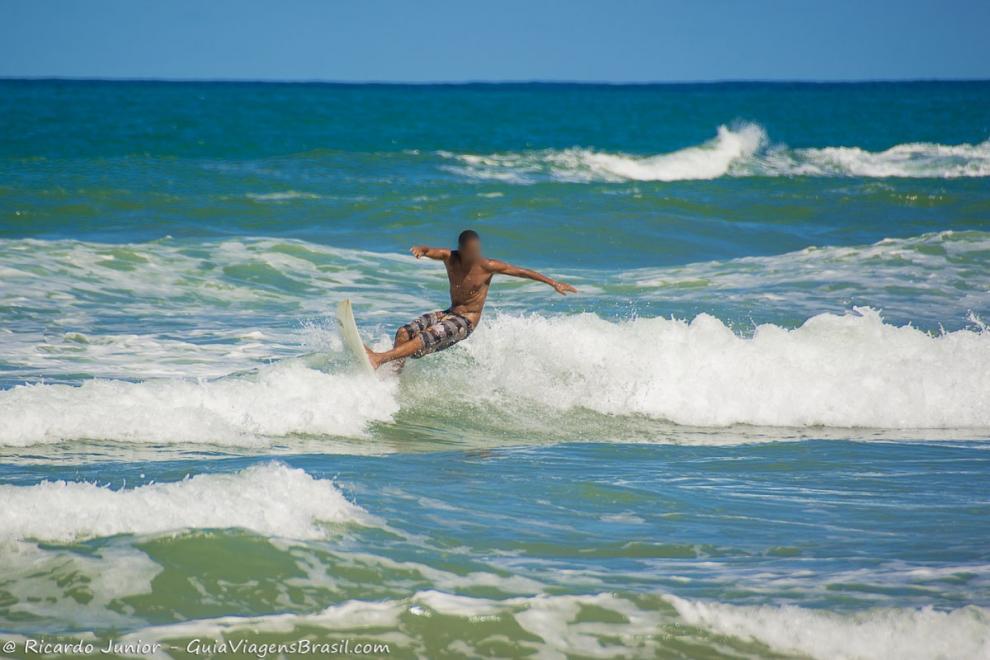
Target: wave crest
(843, 371)
(837, 371)
(271, 499)
(283, 399)
(741, 150)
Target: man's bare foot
(373, 357)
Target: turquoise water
(760, 430)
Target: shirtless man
(470, 275)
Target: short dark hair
(467, 235)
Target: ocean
(761, 428)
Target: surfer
(470, 274)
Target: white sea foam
(920, 159)
(284, 196)
(553, 624)
(841, 371)
(279, 400)
(909, 634)
(73, 589)
(568, 625)
(741, 150)
(271, 499)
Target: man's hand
(419, 251)
(563, 288)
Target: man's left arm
(496, 266)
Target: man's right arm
(440, 254)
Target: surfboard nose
(350, 336)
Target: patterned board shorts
(438, 330)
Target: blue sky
(447, 40)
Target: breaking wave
(270, 499)
(845, 371)
(287, 398)
(741, 150)
(842, 371)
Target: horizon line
(492, 82)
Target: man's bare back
(470, 275)
(469, 285)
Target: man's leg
(441, 335)
(400, 352)
(401, 337)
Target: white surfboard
(349, 333)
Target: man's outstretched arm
(496, 266)
(440, 254)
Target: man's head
(469, 245)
